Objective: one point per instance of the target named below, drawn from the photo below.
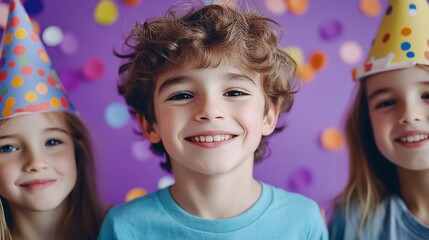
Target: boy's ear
(270, 119)
(148, 130)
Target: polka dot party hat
(28, 81)
(402, 40)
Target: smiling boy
(207, 88)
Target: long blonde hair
(83, 216)
(372, 178)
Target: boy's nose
(209, 109)
(411, 113)
(35, 162)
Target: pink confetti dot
(93, 69)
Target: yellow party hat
(402, 39)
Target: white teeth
(415, 138)
(215, 138)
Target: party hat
(402, 40)
(28, 81)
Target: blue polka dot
(116, 115)
(412, 6)
(410, 54)
(405, 46)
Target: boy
(207, 89)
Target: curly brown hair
(205, 35)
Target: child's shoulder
(286, 197)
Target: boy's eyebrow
(172, 81)
(46, 130)
(236, 76)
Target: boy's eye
(52, 142)
(425, 96)
(385, 104)
(8, 149)
(180, 96)
(235, 93)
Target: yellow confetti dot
(55, 103)
(106, 12)
(8, 39)
(17, 81)
(332, 139)
(295, 53)
(135, 193)
(20, 33)
(10, 102)
(36, 27)
(30, 96)
(7, 112)
(41, 88)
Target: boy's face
(398, 104)
(210, 120)
(37, 162)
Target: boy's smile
(210, 120)
(398, 103)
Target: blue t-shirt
(390, 220)
(276, 215)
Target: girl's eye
(52, 142)
(180, 96)
(385, 104)
(235, 93)
(8, 149)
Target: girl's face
(398, 104)
(37, 162)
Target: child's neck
(415, 191)
(216, 197)
(36, 225)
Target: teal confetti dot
(116, 115)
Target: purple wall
(298, 161)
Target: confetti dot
(19, 50)
(69, 45)
(300, 179)
(350, 52)
(297, 7)
(52, 36)
(33, 7)
(27, 70)
(41, 88)
(370, 8)
(55, 103)
(20, 33)
(131, 2)
(43, 56)
(93, 69)
(305, 73)
(106, 12)
(165, 181)
(295, 53)
(17, 81)
(116, 115)
(3, 75)
(8, 39)
(2, 62)
(332, 139)
(36, 27)
(405, 46)
(15, 21)
(331, 30)
(318, 60)
(140, 150)
(135, 193)
(406, 31)
(276, 6)
(30, 96)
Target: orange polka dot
(17, 81)
(8, 39)
(10, 102)
(12, 64)
(15, 21)
(12, 6)
(43, 56)
(41, 72)
(19, 50)
(318, 60)
(51, 81)
(406, 31)
(27, 70)
(3, 75)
